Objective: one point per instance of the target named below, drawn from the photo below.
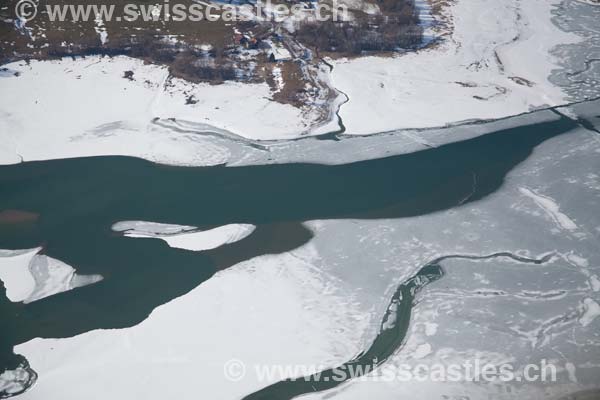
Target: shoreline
(367, 103)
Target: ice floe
(29, 276)
(17, 380)
(150, 228)
(186, 237)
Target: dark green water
(78, 200)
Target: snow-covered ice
(151, 228)
(29, 276)
(180, 350)
(186, 237)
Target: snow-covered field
(495, 63)
(85, 107)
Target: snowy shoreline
(495, 63)
(89, 106)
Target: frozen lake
(72, 206)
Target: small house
(279, 53)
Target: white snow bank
(240, 108)
(29, 276)
(86, 107)
(53, 276)
(179, 236)
(495, 64)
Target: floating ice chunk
(53, 276)
(13, 382)
(211, 239)
(186, 237)
(591, 310)
(595, 283)
(29, 276)
(151, 228)
(551, 208)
